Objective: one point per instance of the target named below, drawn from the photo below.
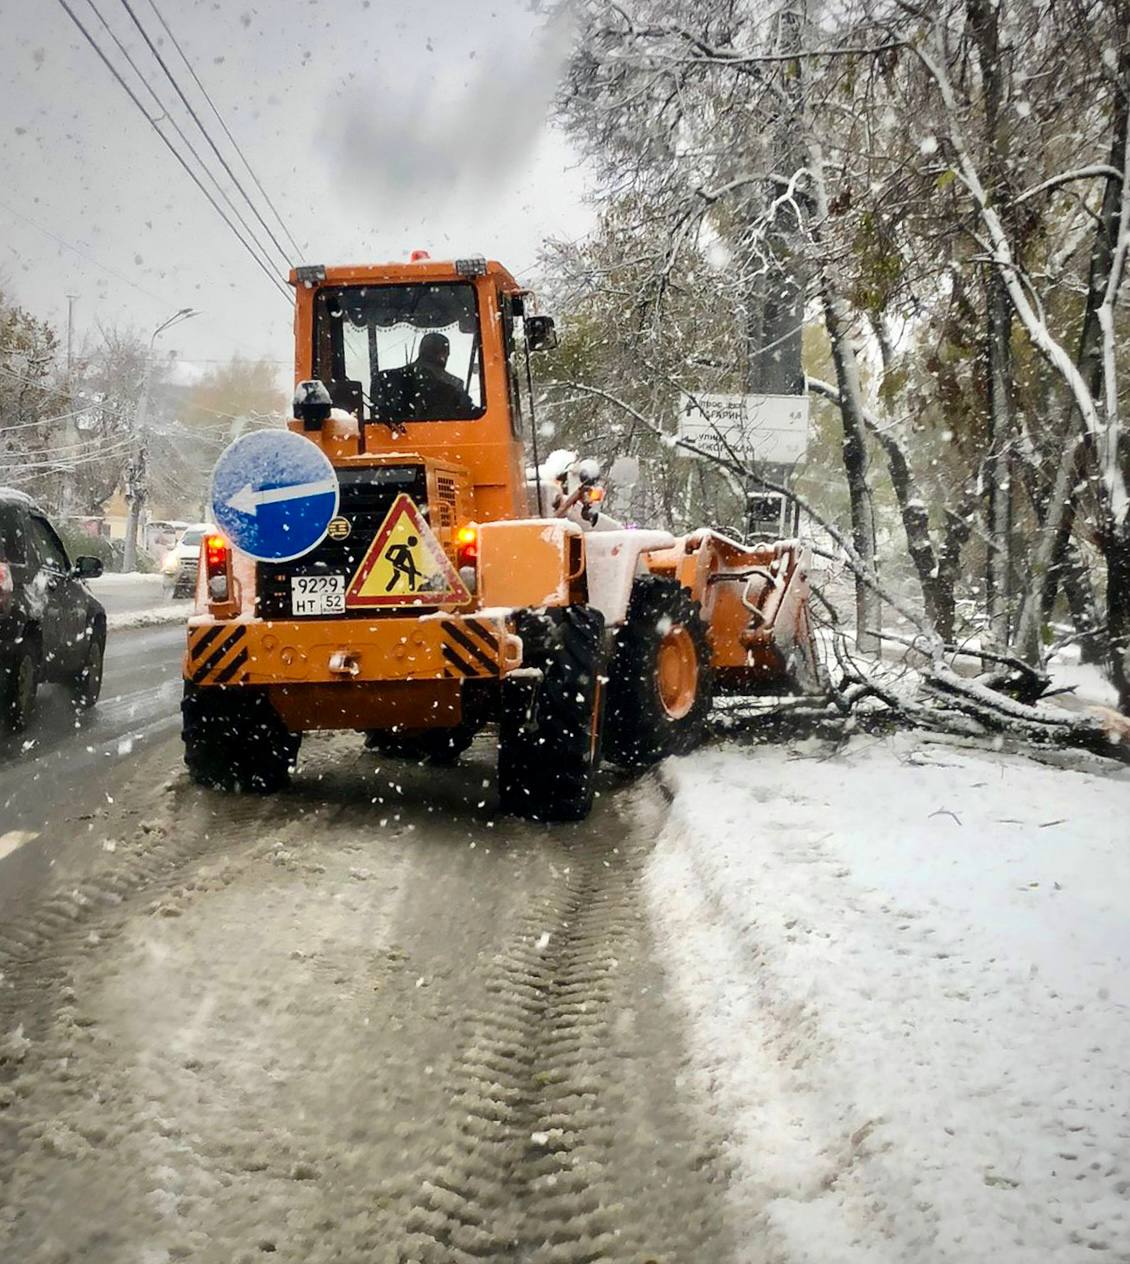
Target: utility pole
(70, 335)
(137, 486)
(775, 314)
(70, 427)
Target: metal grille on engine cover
(445, 489)
(366, 498)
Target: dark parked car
(51, 627)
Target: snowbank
(135, 601)
(906, 972)
(131, 579)
(1090, 683)
(154, 616)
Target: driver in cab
(424, 388)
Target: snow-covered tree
(944, 188)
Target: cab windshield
(400, 353)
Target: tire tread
(547, 768)
(235, 740)
(639, 731)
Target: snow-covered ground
(1089, 682)
(137, 601)
(151, 617)
(136, 580)
(905, 967)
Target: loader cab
(401, 353)
(420, 354)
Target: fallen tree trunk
(933, 695)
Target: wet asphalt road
(59, 772)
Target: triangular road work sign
(406, 565)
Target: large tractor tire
(550, 729)
(660, 684)
(235, 740)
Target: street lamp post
(137, 472)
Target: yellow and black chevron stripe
(217, 655)
(469, 648)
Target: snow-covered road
(364, 1020)
(904, 967)
(773, 1005)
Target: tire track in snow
(533, 1168)
(522, 1105)
(552, 1133)
(150, 854)
(144, 1075)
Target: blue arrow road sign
(273, 494)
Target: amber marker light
(467, 545)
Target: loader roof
(405, 272)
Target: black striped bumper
(357, 651)
(217, 655)
(469, 647)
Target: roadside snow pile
(155, 616)
(131, 579)
(906, 972)
(1088, 681)
(133, 601)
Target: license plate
(317, 594)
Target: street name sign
(274, 494)
(765, 428)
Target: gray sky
(377, 126)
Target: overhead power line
(69, 451)
(166, 113)
(227, 131)
(41, 383)
(81, 253)
(204, 131)
(72, 462)
(247, 359)
(271, 276)
(43, 421)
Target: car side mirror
(88, 567)
(540, 333)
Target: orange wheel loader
(445, 591)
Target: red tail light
(467, 546)
(7, 586)
(215, 555)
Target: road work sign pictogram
(406, 565)
(274, 494)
